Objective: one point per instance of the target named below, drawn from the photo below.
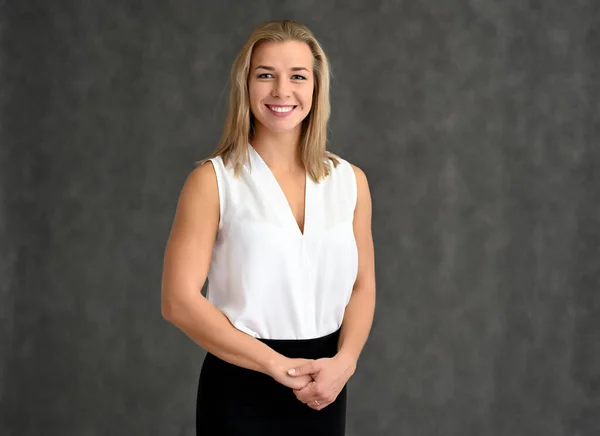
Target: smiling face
(280, 85)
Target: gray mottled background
(477, 123)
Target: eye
(298, 77)
(263, 76)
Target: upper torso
(270, 278)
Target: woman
(282, 230)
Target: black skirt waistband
(316, 348)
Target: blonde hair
(237, 132)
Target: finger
(318, 405)
(300, 383)
(314, 402)
(307, 393)
(307, 368)
(321, 399)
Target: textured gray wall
(477, 123)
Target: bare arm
(186, 263)
(358, 316)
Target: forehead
(285, 54)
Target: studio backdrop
(476, 123)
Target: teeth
(281, 109)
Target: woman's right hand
(278, 370)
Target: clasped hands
(316, 383)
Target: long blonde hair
(237, 132)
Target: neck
(280, 151)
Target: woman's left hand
(330, 375)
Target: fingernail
(291, 371)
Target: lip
(281, 114)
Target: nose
(280, 88)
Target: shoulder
(363, 194)
(359, 175)
(342, 164)
(203, 174)
(201, 184)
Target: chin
(282, 127)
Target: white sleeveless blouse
(271, 280)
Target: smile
(280, 110)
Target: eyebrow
(265, 67)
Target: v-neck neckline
(282, 198)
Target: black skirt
(234, 401)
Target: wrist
(349, 359)
(273, 364)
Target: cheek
(255, 99)
(307, 98)
(256, 92)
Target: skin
(287, 80)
